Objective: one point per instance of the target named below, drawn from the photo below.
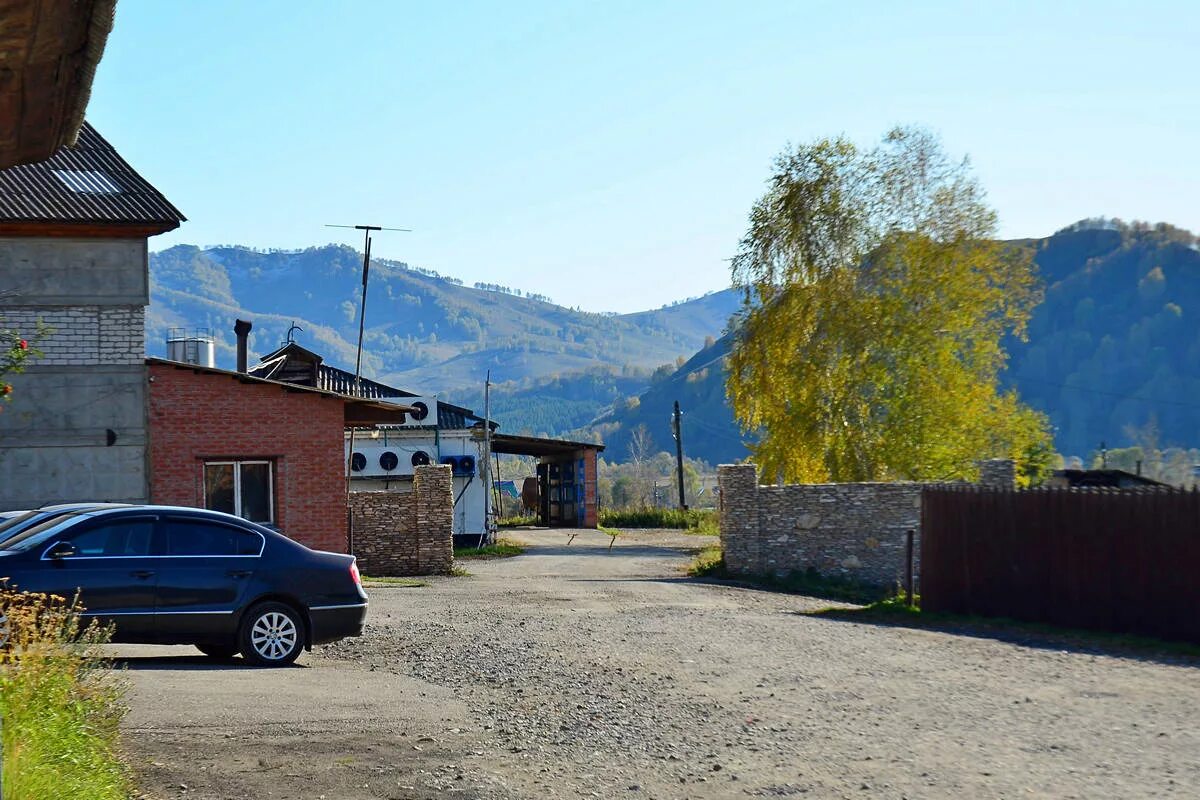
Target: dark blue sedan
(166, 575)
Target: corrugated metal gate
(1116, 560)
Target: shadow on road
(1025, 634)
(189, 663)
(619, 551)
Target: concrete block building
(73, 256)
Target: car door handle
(142, 573)
(238, 573)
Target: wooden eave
(49, 50)
(86, 230)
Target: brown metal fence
(1106, 559)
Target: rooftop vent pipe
(242, 328)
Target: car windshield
(37, 533)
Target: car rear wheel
(218, 651)
(271, 635)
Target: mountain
(709, 431)
(1116, 343)
(1114, 346)
(425, 332)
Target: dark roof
(1104, 477)
(88, 183)
(509, 444)
(369, 412)
(278, 365)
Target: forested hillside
(1117, 339)
(1114, 346)
(425, 331)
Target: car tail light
(354, 573)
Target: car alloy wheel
(272, 634)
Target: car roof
(158, 509)
(60, 507)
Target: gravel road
(573, 671)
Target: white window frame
(237, 486)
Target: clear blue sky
(606, 153)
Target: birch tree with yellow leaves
(877, 299)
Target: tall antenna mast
(362, 320)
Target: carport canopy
(508, 444)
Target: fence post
(908, 567)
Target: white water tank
(194, 346)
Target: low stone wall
(406, 533)
(855, 530)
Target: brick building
(73, 256)
(269, 451)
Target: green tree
(876, 299)
(15, 353)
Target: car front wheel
(271, 635)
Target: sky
(606, 154)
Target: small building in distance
(440, 432)
(73, 256)
(1101, 478)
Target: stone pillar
(434, 496)
(739, 516)
(998, 473)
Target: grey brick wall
(83, 335)
(853, 530)
(406, 533)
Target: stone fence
(406, 533)
(853, 530)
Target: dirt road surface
(573, 671)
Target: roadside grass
(61, 705)
(702, 522)
(503, 548)
(517, 521)
(392, 583)
(710, 563)
(896, 612)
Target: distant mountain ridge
(1114, 345)
(425, 331)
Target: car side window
(121, 538)
(187, 537)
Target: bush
(702, 521)
(60, 704)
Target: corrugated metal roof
(87, 183)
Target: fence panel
(1105, 559)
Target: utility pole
(677, 431)
(362, 320)
(487, 448)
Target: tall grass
(61, 705)
(701, 521)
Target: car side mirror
(60, 550)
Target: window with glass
(187, 537)
(242, 488)
(124, 538)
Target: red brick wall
(198, 417)
(590, 498)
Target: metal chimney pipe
(242, 328)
